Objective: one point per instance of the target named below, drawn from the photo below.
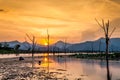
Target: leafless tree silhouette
(105, 27)
(33, 40)
(48, 36)
(27, 46)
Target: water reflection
(78, 68)
(87, 69)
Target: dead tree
(27, 45)
(105, 27)
(65, 56)
(48, 48)
(16, 48)
(33, 40)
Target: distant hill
(61, 44)
(97, 45)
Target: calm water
(79, 68)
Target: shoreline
(13, 69)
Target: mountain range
(97, 45)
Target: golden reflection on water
(46, 61)
(85, 69)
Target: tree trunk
(107, 60)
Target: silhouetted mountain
(11, 43)
(61, 44)
(97, 45)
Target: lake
(74, 68)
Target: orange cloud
(72, 19)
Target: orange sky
(73, 20)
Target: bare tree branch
(28, 37)
(104, 28)
(112, 32)
(99, 24)
(25, 38)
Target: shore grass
(3, 51)
(111, 56)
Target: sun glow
(45, 43)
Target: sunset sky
(73, 20)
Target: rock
(21, 58)
(39, 62)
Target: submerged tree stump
(21, 59)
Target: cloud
(73, 19)
(115, 24)
(67, 9)
(116, 1)
(88, 35)
(1, 10)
